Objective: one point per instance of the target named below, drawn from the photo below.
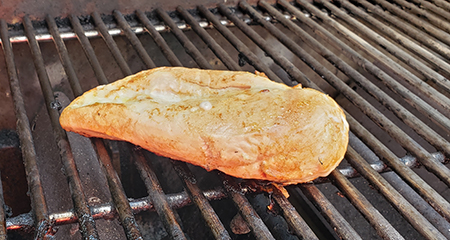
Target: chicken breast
(242, 124)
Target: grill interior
(385, 63)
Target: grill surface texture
(385, 62)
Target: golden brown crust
(237, 122)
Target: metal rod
(88, 50)
(212, 44)
(410, 119)
(158, 197)
(38, 203)
(292, 70)
(381, 225)
(87, 224)
(393, 130)
(391, 48)
(408, 29)
(112, 45)
(418, 84)
(416, 21)
(200, 200)
(187, 44)
(107, 210)
(249, 214)
(64, 56)
(118, 195)
(397, 37)
(337, 221)
(159, 40)
(133, 39)
(419, 222)
(293, 218)
(444, 25)
(251, 58)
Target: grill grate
(390, 75)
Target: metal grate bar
(410, 119)
(406, 28)
(393, 130)
(88, 50)
(444, 25)
(381, 225)
(397, 37)
(293, 71)
(159, 199)
(64, 56)
(337, 221)
(187, 44)
(299, 226)
(394, 50)
(246, 210)
(159, 40)
(372, 141)
(419, 23)
(250, 57)
(133, 39)
(111, 44)
(427, 192)
(87, 224)
(212, 44)
(39, 205)
(417, 220)
(200, 200)
(117, 193)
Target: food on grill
(240, 123)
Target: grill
(386, 63)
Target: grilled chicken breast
(242, 124)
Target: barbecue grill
(385, 62)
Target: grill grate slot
(415, 100)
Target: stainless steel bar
(38, 203)
(417, 220)
(187, 44)
(439, 11)
(107, 210)
(158, 198)
(111, 44)
(443, 4)
(394, 35)
(117, 192)
(64, 55)
(293, 218)
(410, 119)
(431, 93)
(415, 181)
(414, 33)
(212, 44)
(381, 225)
(196, 195)
(442, 24)
(416, 21)
(392, 129)
(438, 79)
(292, 70)
(133, 39)
(246, 210)
(342, 228)
(239, 45)
(87, 224)
(159, 40)
(88, 50)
